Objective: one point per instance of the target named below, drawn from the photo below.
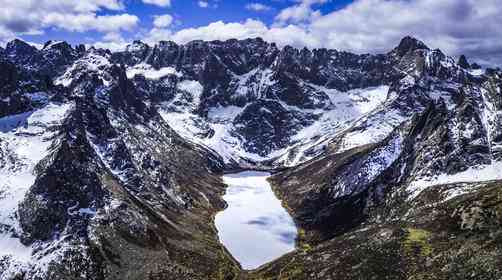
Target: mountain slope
(423, 202)
(253, 103)
(106, 187)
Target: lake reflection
(255, 228)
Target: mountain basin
(255, 227)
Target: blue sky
(457, 27)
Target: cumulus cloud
(112, 41)
(160, 3)
(85, 22)
(208, 4)
(157, 34)
(203, 4)
(31, 17)
(258, 7)
(300, 12)
(162, 21)
(221, 31)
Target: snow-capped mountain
(111, 161)
(255, 104)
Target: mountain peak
(56, 44)
(462, 62)
(137, 45)
(408, 44)
(166, 43)
(18, 44)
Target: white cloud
(300, 12)
(89, 5)
(162, 21)
(258, 7)
(85, 22)
(112, 41)
(5, 35)
(157, 34)
(203, 4)
(160, 30)
(31, 17)
(221, 31)
(113, 37)
(160, 3)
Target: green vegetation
(417, 240)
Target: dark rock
(475, 66)
(462, 62)
(409, 44)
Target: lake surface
(255, 228)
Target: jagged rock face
(462, 62)
(10, 101)
(26, 78)
(19, 51)
(69, 182)
(237, 74)
(53, 58)
(268, 122)
(9, 77)
(409, 45)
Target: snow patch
(481, 173)
(192, 87)
(52, 44)
(13, 248)
(373, 129)
(223, 114)
(377, 162)
(24, 141)
(477, 72)
(253, 83)
(149, 72)
(90, 62)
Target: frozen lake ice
(255, 228)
